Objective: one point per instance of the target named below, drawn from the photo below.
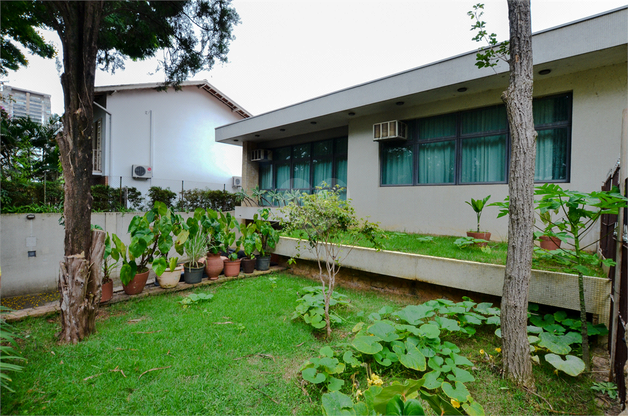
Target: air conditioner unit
(237, 181)
(390, 130)
(261, 155)
(142, 171)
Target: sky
(289, 51)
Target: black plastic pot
(193, 275)
(262, 263)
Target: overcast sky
(288, 51)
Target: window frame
(415, 142)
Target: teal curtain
(396, 164)
(282, 153)
(437, 162)
(551, 110)
(551, 155)
(301, 176)
(484, 159)
(324, 148)
(341, 172)
(439, 126)
(484, 120)
(266, 177)
(322, 172)
(340, 146)
(282, 176)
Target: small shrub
(208, 199)
(157, 194)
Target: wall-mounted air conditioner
(237, 181)
(142, 171)
(261, 155)
(390, 130)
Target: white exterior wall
(599, 97)
(174, 133)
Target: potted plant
(478, 205)
(145, 232)
(549, 239)
(172, 233)
(109, 264)
(229, 226)
(214, 264)
(250, 241)
(268, 238)
(169, 275)
(195, 248)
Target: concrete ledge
(546, 288)
(120, 296)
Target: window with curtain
(473, 146)
(306, 166)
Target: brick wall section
(250, 171)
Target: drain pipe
(151, 144)
(109, 144)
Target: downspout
(151, 144)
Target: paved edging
(120, 296)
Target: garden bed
(546, 288)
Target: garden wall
(31, 249)
(546, 288)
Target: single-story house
(412, 147)
(145, 137)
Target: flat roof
(602, 38)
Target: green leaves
(570, 365)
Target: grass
(443, 246)
(237, 354)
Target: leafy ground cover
(443, 246)
(236, 353)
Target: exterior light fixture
(282, 129)
(236, 140)
(462, 89)
(400, 103)
(312, 122)
(351, 113)
(544, 71)
(257, 135)
(30, 217)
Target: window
(472, 147)
(306, 166)
(97, 147)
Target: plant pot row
(213, 267)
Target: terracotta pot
(170, 279)
(193, 275)
(214, 265)
(107, 291)
(136, 285)
(232, 268)
(550, 243)
(248, 266)
(482, 236)
(262, 263)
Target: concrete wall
(174, 133)
(44, 235)
(599, 96)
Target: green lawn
(237, 354)
(443, 246)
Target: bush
(157, 194)
(208, 199)
(108, 199)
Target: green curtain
(322, 172)
(439, 126)
(437, 162)
(282, 176)
(551, 155)
(484, 159)
(341, 172)
(484, 120)
(396, 164)
(551, 110)
(301, 176)
(266, 176)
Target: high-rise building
(19, 102)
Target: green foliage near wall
(157, 194)
(209, 199)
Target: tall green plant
(478, 206)
(8, 353)
(268, 236)
(321, 219)
(580, 211)
(229, 227)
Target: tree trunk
(80, 284)
(78, 25)
(518, 98)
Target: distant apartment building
(19, 102)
